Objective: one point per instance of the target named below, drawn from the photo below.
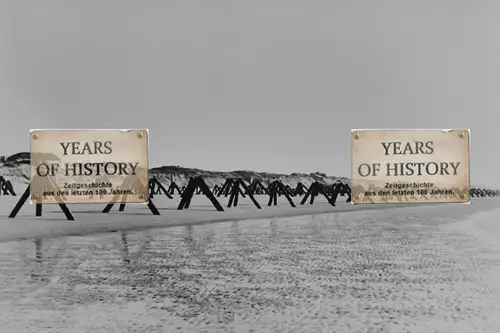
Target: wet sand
(417, 269)
(89, 219)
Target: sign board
(89, 166)
(410, 166)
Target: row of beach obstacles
(235, 188)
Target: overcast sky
(257, 84)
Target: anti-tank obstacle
(216, 189)
(256, 188)
(482, 193)
(225, 189)
(155, 188)
(341, 189)
(6, 187)
(152, 182)
(494, 193)
(476, 192)
(300, 189)
(199, 191)
(281, 190)
(190, 190)
(174, 187)
(314, 190)
(290, 191)
(234, 187)
(38, 207)
(274, 189)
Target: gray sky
(257, 84)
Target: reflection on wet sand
(38, 255)
(235, 228)
(47, 261)
(307, 274)
(189, 239)
(132, 259)
(273, 228)
(125, 250)
(207, 237)
(317, 225)
(234, 235)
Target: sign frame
(124, 176)
(371, 188)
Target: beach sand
(413, 269)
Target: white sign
(89, 166)
(410, 166)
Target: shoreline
(53, 224)
(90, 220)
